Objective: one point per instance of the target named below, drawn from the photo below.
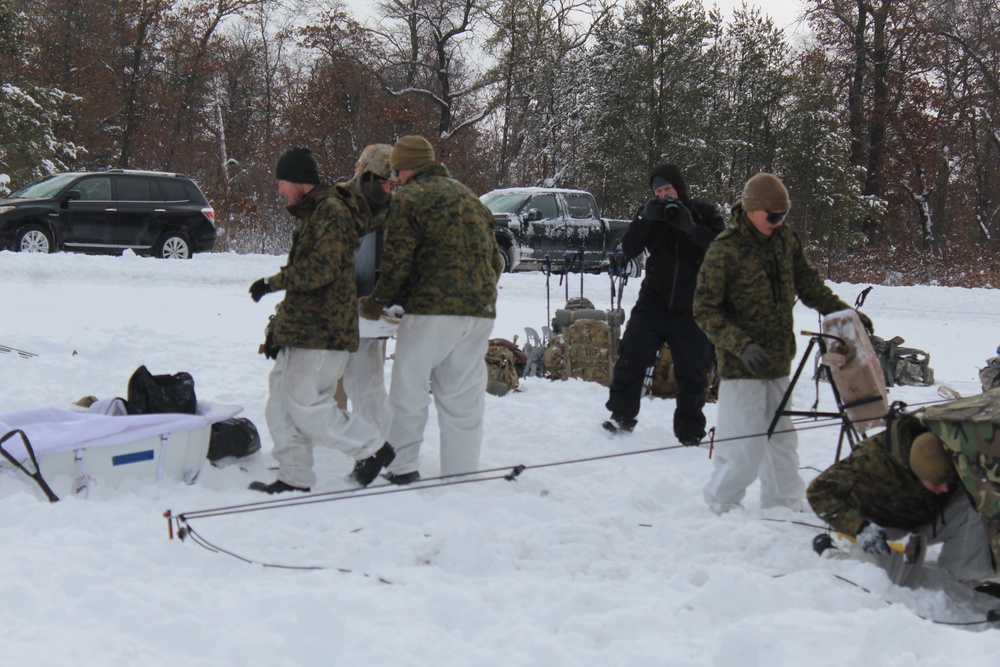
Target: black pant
(649, 325)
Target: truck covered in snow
(533, 225)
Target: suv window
(580, 207)
(136, 188)
(94, 189)
(172, 190)
(547, 205)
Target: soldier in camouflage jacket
(442, 261)
(902, 481)
(747, 286)
(315, 327)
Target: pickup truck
(531, 223)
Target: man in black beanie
(675, 230)
(315, 328)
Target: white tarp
(51, 430)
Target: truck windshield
(45, 188)
(504, 202)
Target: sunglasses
(775, 218)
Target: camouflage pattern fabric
(875, 484)
(320, 308)
(989, 377)
(584, 351)
(970, 430)
(663, 384)
(440, 255)
(902, 365)
(501, 370)
(746, 290)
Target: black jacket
(674, 256)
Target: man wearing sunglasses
(747, 287)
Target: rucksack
(153, 394)
(660, 381)
(504, 365)
(989, 376)
(902, 365)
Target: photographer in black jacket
(675, 230)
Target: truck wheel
(505, 259)
(33, 238)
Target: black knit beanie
(671, 173)
(297, 165)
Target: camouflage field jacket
(873, 485)
(440, 255)
(320, 309)
(746, 291)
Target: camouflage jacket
(440, 255)
(873, 484)
(320, 309)
(746, 292)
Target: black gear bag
(154, 394)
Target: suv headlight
(6, 209)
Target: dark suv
(153, 213)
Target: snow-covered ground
(607, 562)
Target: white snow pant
(446, 354)
(364, 383)
(746, 408)
(301, 413)
(965, 551)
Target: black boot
(277, 486)
(619, 424)
(366, 470)
(404, 479)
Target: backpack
(660, 381)
(153, 394)
(902, 365)
(989, 376)
(505, 364)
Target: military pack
(585, 342)
(989, 376)
(661, 383)
(902, 365)
(504, 366)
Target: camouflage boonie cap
(375, 159)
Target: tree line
(883, 122)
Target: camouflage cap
(375, 159)
(930, 462)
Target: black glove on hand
(680, 218)
(866, 322)
(756, 359)
(653, 210)
(872, 540)
(259, 289)
(268, 348)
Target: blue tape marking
(135, 457)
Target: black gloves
(866, 322)
(872, 540)
(653, 210)
(756, 359)
(671, 212)
(259, 289)
(268, 348)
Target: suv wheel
(34, 238)
(173, 245)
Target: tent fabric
(970, 430)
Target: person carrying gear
(442, 262)
(316, 326)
